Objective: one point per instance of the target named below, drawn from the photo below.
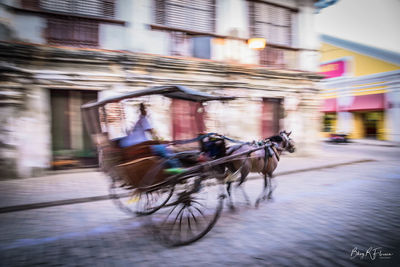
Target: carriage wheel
(137, 203)
(190, 214)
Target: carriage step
(174, 170)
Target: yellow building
(360, 93)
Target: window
(183, 44)
(72, 31)
(274, 23)
(80, 24)
(271, 22)
(186, 15)
(329, 122)
(95, 8)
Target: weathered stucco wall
(29, 72)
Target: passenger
(140, 131)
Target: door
(187, 119)
(270, 117)
(71, 145)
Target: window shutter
(160, 11)
(186, 14)
(252, 21)
(96, 8)
(72, 31)
(271, 22)
(33, 4)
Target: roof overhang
(171, 91)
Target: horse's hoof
(257, 203)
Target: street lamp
(257, 43)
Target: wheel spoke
(166, 218)
(194, 217)
(176, 218)
(180, 220)
(199, 211)
(189, 226)
(191, 221)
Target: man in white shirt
(138, 133)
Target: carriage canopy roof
(171, 91)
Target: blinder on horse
(288, 142)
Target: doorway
(272, 110)
(187, 119)
(71, 144)
(372, 122)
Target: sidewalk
(369, 142)
(77, 187)
(373, 142)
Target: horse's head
(288, 143)
(283, 141)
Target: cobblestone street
(325, 217)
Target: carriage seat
(140, 150)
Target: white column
(33, 134)
(393, 115)
(307, 37)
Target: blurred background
(327, 70)
(296, 65)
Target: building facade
(361, 92)
(56, 55)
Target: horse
(262, 161)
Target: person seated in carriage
(140, 131)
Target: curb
(363, 143)
(325, 167)
(381, 145)
(48, 204)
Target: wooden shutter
(180, 44)
(274, 57)
(72, 31)
(96, 8)
(31, 4)
(188, 15)
(271, 22)
(159, 11)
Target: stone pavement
(75, 185)
(316, 218)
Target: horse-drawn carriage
(183, 189)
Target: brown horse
(262, 161)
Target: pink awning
(367, 102)
(329, 105)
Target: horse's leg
(272, 187)
(263, 193)
(244, 173)
(245, 196)
(228, 189)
